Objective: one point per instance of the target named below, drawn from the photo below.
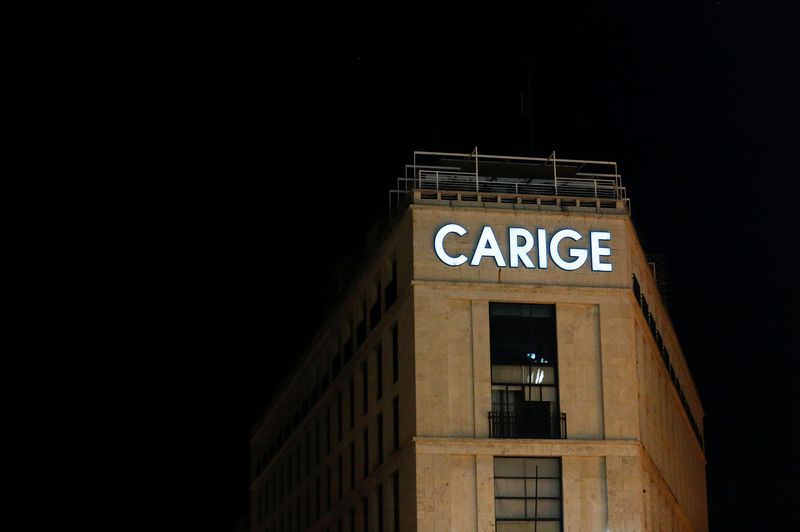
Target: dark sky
(251, 151)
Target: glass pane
(506, 487)
(547, 467)
(539, 375)
(544, 509)
(543, 488)
(548, 526)
(533, 393)
(510, 374)
(509, 508)
(521, 334)
(522, 310)
(498, 400)
(509, 467)
(515, 526)
(549, 394)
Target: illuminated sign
(521, 242)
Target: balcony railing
(519, 425)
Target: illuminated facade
(503, 361)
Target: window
(352, 402)
(318, 499)
(308, 451)
(379, 369)
(375, 309)
(524, 372)
(380, 507)
(365, 512)
(336, 365)
(380, 439)
(328, 488)
(340, 479)
(396, 423)
(396, 500)
(395, 361)
(339, 416)
(364, 388)
(366, 452)
(390, 293)
(352, 465)
(347, 346)
(308, 505)
(361, 327)
(327, 431)
(527, 494)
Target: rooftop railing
(460, 176)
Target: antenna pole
(530, 101)
(475, 153)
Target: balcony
(543, 425)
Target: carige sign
(521, 243)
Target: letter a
(487, 246)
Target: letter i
(541, 242)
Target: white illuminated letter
(487, 246)
(438, 244)
(517, 252)
(597, 251)
(541, 237)
(579, 254)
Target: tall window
(375, 309)
(361, 326)
(527, 494)
(352, 465)
(366, 452)
(395, 360)
(396, 423)
(364, 388)
(390, 293)
(380, 507)
(340, 478)
(396, 500)
(365, 513)
(380, 438)
(524, 372)
(352, 402)
(379, 369)
(339, 416)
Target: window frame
(525, 477)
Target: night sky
(254, 152)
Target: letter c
(438, 244)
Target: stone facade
(632, 460)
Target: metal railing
(521, 176)
(518, 425)
(572, 187)
(665, 357)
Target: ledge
(523, 447)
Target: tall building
(502, 361)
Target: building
(503, 361)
